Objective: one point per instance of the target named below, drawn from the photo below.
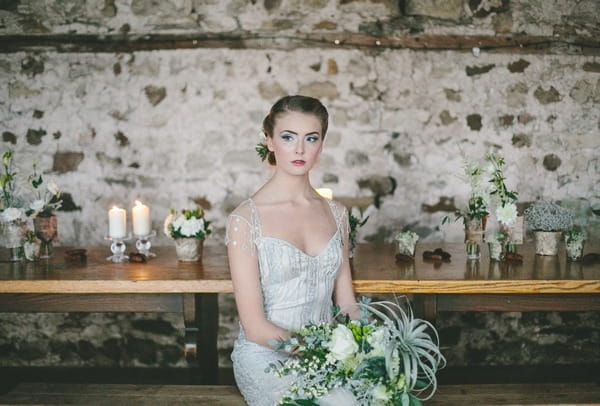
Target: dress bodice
(297, 288)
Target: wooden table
(165, 285)
(540, 283)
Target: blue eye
(287, 137)
(312, 138)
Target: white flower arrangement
(46, 199)
(407, 241)
(187, 224)
(386, 358)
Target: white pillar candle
(117, 222)
(325, 192)
(141, 219)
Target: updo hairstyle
(297, 103)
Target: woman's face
(297, 142)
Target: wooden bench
(447, 395)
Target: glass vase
(574, 248)
(13, 233)
(46, 229)
(473, 250)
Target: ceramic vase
(546, 242)
(189, 249)
(574, 248)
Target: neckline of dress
(337, 230)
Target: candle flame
(138, 203)
(115, 207)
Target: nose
(300, 147)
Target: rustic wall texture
(163, 101)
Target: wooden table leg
(425, 306)
(207, 320)
(190, 339)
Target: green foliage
(476, 209)
(354, 223)
(262, 150)
(7, 181)
(499, 189)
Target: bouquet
(187, 224)
(385, 358)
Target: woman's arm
(243, 265)
(344, 292)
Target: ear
(270, 143)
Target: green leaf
(37, 182)
(262, 150)
(405, 399)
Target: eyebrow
(295, 133)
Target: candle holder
(117, 247)
(143, 244)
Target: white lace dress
(297, 289)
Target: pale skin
(291, 210)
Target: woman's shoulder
(244, 209)
(338, 207)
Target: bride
(288, 250)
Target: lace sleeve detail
(239, 233)
(345, 224)
(341, 219)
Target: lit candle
(117, 222)
(325, 192)
(141, 219)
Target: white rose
(53, 188)
(190, 227)
(12, 214)
(342, 344)
(178, 221)
(37, 205)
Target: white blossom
(191, 227)
(12, 214)
(178, 221)
(53, 188)
(507, 214)
(37, 205)
(380, 395)
(377, 341)
(342, 344)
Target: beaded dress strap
(254, 219)
(337, 216)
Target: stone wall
(112, 112)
